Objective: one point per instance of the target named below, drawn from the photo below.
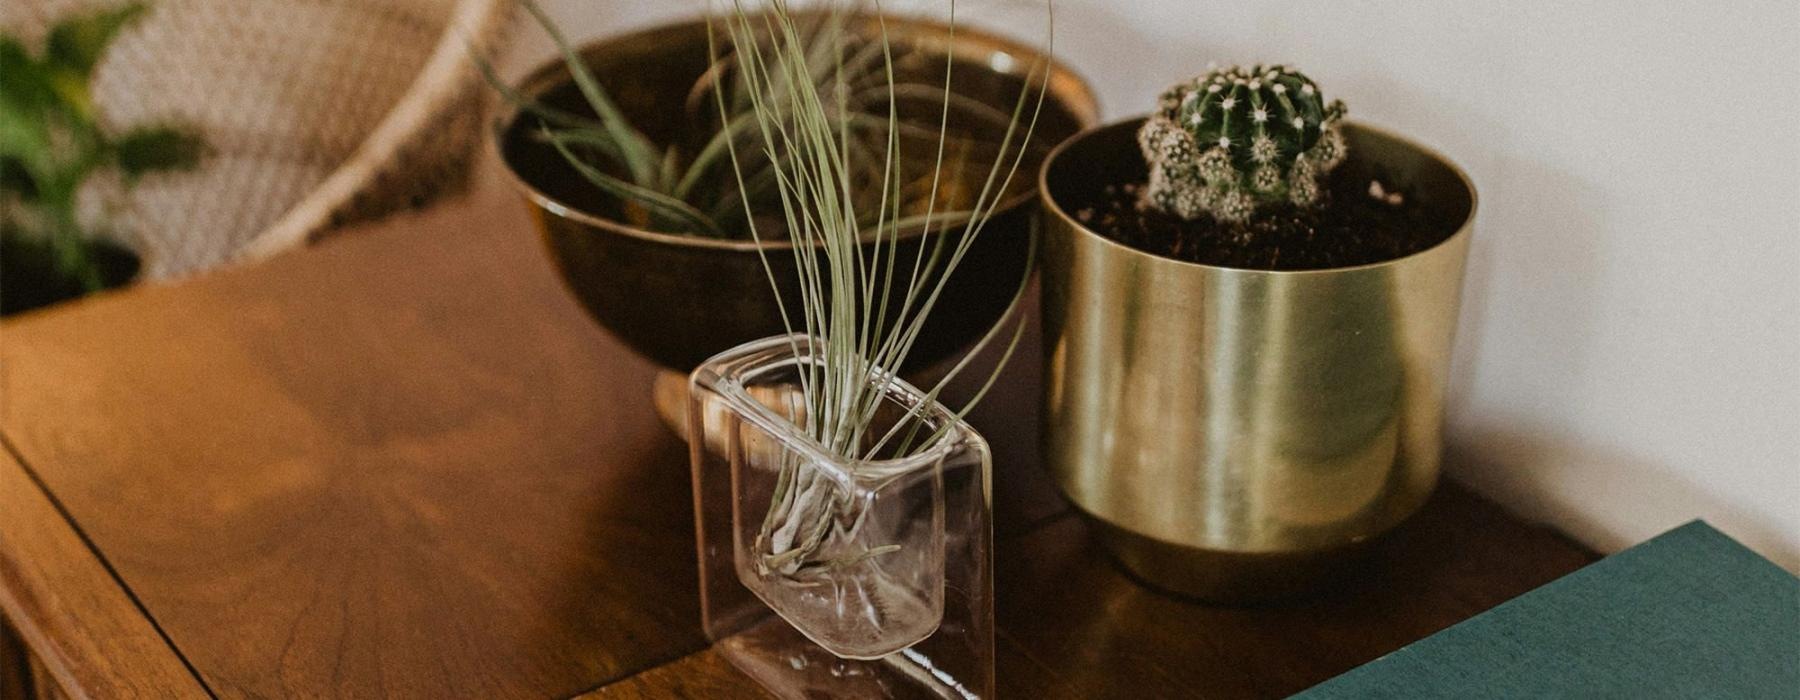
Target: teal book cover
(1689, 614)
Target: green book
(1689, 614)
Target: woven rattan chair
(318, 113)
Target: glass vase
(827, 576)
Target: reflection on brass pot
(1238, 434)
(680, 299)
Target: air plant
(1236, 139)
(855, 343)
(670, 190)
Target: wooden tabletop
(403, 463)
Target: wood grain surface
(1091, 632)
(84, 630)
(404, 464)
(401, 464)
(1073, 626)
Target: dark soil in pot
(1364, 216)
(29, 278)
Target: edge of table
(80, 623)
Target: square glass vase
(827, 576)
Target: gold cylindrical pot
(1239, 434)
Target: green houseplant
(1237, 139)
(1249, 303)
(712, 290)
(675, 188)
(52, 142)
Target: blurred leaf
(23, 135)
(157, 149)
(78, 43)
(50, 144)
(22, 81)
(24, 97)
(16, 179)
(71, 95)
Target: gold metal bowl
(1239, 434)
(680, 299)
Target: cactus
(1237, 139)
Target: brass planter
(1239, 434)
(680, 299)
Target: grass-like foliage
(691, 187)
(851, 273)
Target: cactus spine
(1236, 138)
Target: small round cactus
(1237, 138)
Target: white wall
(1629, 356)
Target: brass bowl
(1239, 435)
(680, 299)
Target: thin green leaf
(671, 169)
(24, 83)
(669, 208)
(559, 117)
(635, 150)
(735, 128)
(25, 101)
(158, 149)
(593, 138)
(77, 43)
